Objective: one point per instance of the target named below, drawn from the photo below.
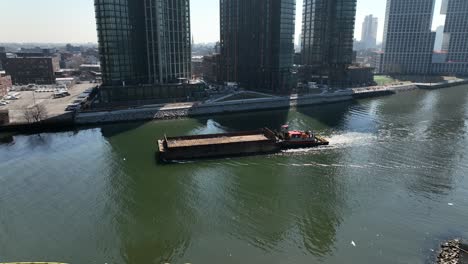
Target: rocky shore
(451, 252)
(173, 114)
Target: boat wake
(352, 138)
(338, 141)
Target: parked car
(10, 97)
(73, 107)
(60, 94)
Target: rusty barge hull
(218, 145)
(303, 144)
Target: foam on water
(340, 140)
(352, 138)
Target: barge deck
(174, 143)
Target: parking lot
(55, 107)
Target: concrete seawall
(248, 105)
(359, 93)
(161, 112)
(432, 86)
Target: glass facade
(168, 34)
(257, 43)
(455, 45)
(118, 42)
(327, 35)
(456, 29)
(143, 42)
(408, 41)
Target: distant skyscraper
(327, 36)
(454, 47)
(439, 38)
(408, 41)
(257, 43)
(2, 57)
(144, 41)
(369, 32)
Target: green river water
(391, 186)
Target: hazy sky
(73, 20)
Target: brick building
(207, 68)
(211, 66)
(26, 70)
(5, 83)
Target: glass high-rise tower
(143, 41)
(257, 43)
(454, 54)
(408, 41)
(327, 36)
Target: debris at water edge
(450, 252)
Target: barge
(263, 141)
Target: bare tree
(36, 113)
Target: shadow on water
(111, 130)
(332, 115)
(152, 214)
(55, 124)
(277, 205)
(7, 138)
(323, 199)
(272, 119)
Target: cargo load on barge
(263, 141)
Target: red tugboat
(299, 139)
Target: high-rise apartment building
(408, 41)
(369, 32)
(257, 43)
(453, 58)
(327, 37)
(144, 41)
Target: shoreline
(453, 251)
(214, 108)
(187, 110)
